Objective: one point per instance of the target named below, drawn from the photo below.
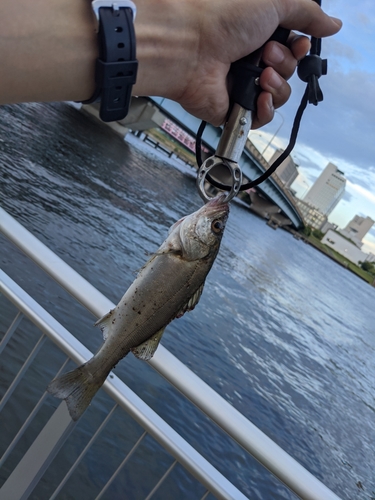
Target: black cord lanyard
(310, 69)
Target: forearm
(185, 48)
(47, 50)
(167, 33)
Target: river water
(282, 332)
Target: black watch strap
(116, 66)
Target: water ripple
(281, 331)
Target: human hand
(185, 49)
(281, 62)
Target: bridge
(275, 203)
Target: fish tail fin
(77, 388)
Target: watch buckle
(116, 5)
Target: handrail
(162, 432)
(252, 439)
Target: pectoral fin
(147, 349)
(171, 245)
(192, 302)
(105, 323)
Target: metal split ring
(211, 163)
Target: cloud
(336, 50)
(355, 174)
(344, 128)
(363, 193)
(364, 20)
(343, 125)
(340, 129)
(368, 247)
(360, 180)
(348, 197)
(357, 197)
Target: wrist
(167, 47)
(48, 50)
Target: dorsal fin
(147, 349)
(105, 323)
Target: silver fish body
(167, 286)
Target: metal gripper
(223, 165)
(245, 74)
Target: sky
(341, 129)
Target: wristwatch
(116, 66)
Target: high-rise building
(357, 229)
(327, 190)
(359, 226)
(287, 171)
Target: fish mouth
(218, 205)
(218, 200)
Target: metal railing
(41, 453)
(29, 470)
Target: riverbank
(339, 259)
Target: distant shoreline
(341, 260)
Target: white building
(327, 226)
(344, 247)
(327, 190)
(311, 216)
(358, 227)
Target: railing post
(13, 327)
(38, 457)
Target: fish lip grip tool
(244, 75)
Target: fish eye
(217, 226)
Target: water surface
(281, 332)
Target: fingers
(299, 45)
(281, 62)
(265, 110)
(272, 82)
(276, 91)
(306, 16)
(203, 92)
(284, 59)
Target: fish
(168, 285)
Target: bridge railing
(260, 158)
(36, 460)
(252, 161)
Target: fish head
(200, 233)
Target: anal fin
(147, 349)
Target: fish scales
(167, 286)
(152, 300)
